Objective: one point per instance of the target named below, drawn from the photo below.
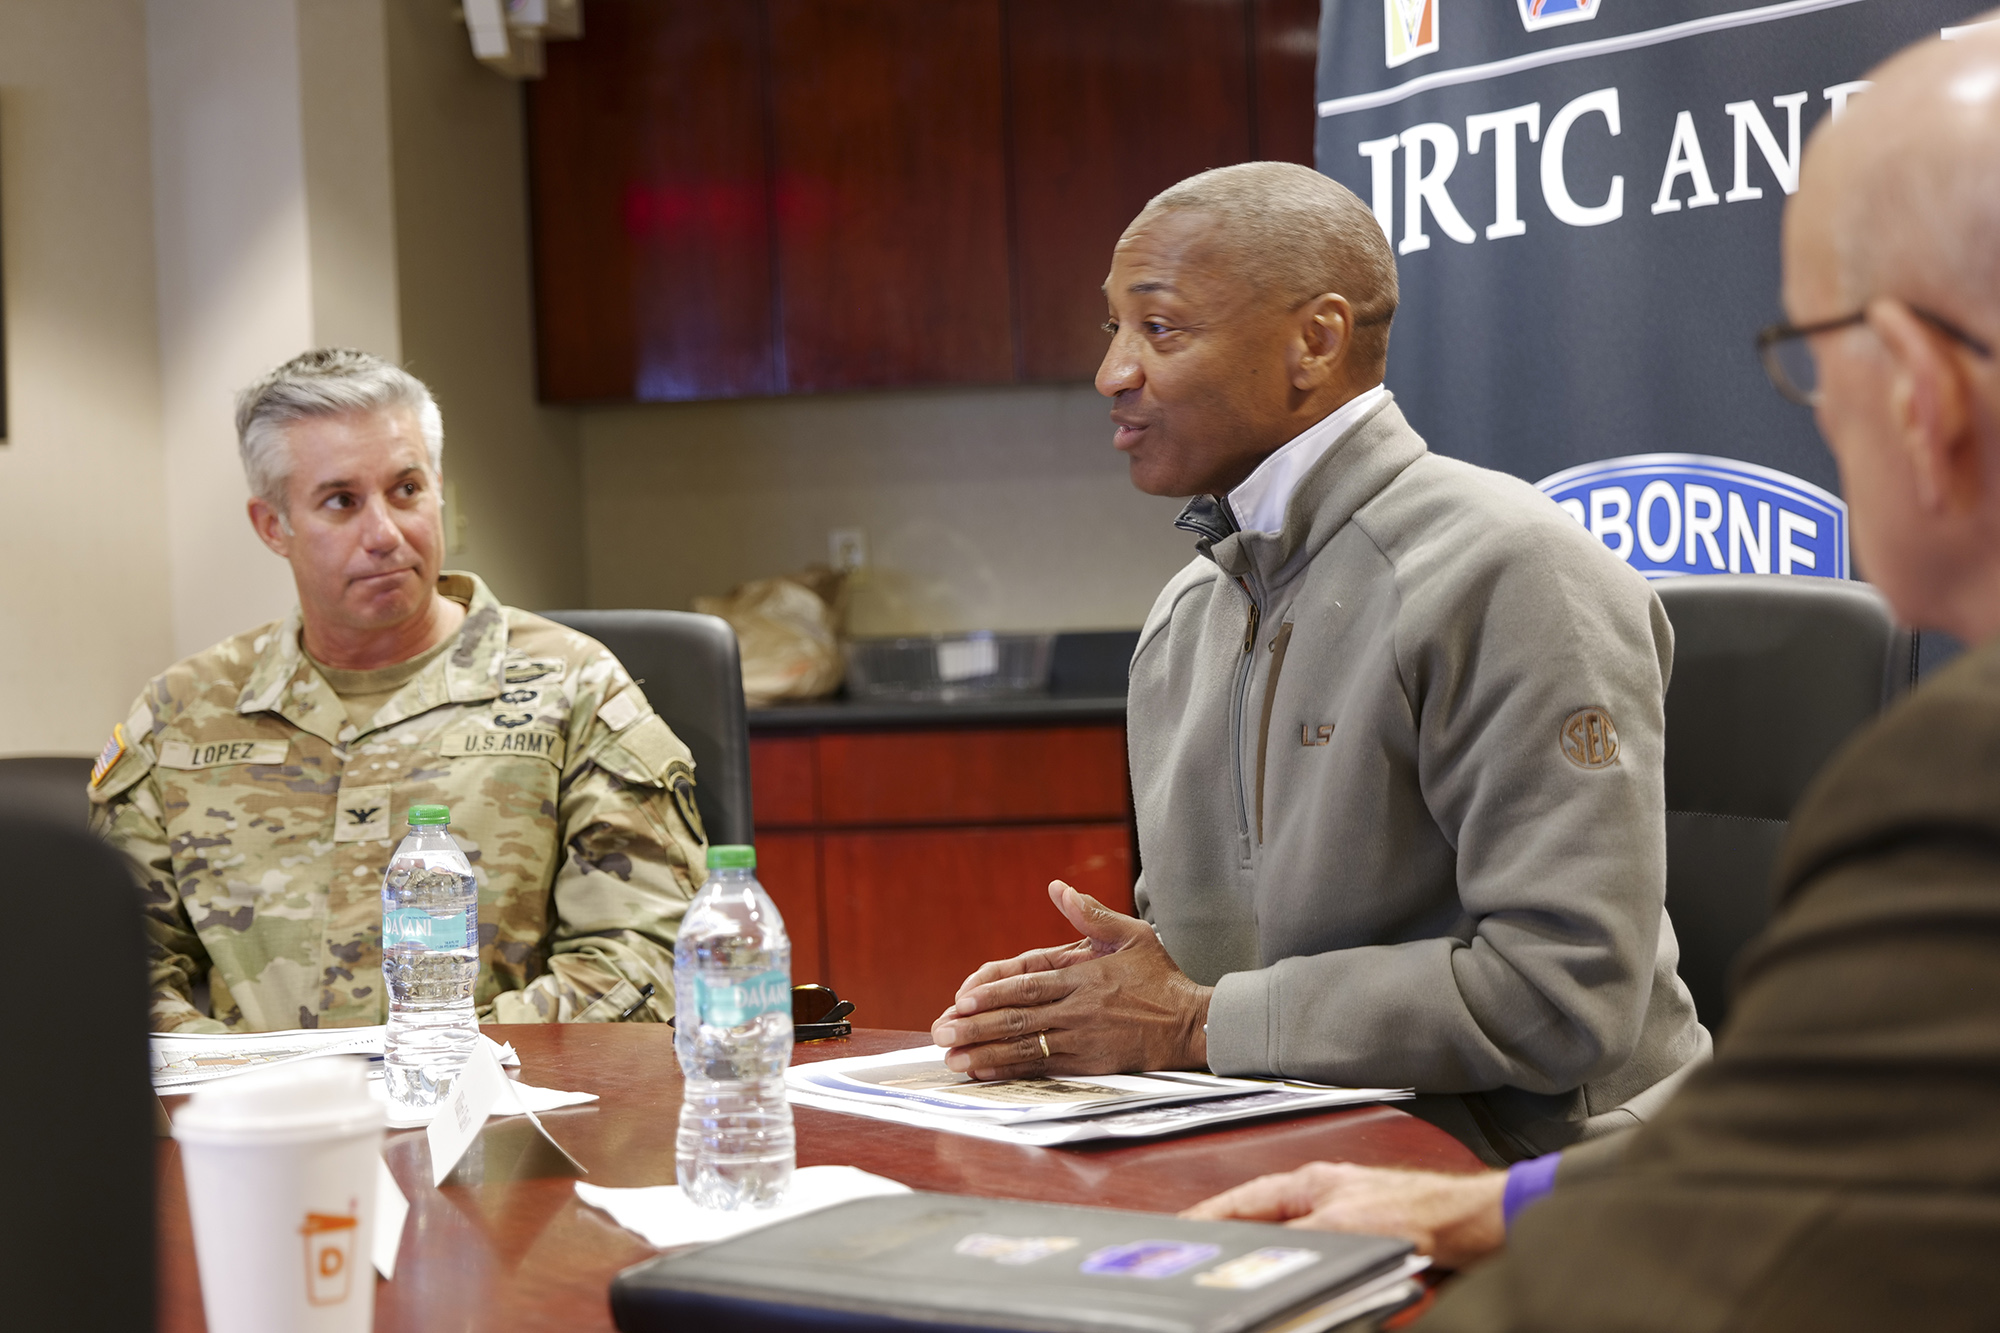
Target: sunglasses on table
(817, 1013)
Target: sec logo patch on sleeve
(1588, 739)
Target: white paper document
(918, 1078)
(181, 1060)
(1398, 1286)
(459, 1118)
(913, 1087)
(665, 1217)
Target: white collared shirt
(1259, 503)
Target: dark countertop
(826, 713)
(1086, 684)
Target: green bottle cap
(429, 814)
(732, 856)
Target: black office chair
(76, 1161)
(1771, 674)
(693, 675)
(55, 787)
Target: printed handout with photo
(933, 1076)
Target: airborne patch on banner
(1672, 514)
(1585, 200)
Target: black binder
(938, 1263)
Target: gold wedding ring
(1043, 1038)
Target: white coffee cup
(280, 1170)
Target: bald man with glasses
(1837, 1164)
(1786, 349)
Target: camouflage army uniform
(263, 820)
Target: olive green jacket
(262, 821)
(1837, 1164)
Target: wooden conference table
(518, 1250)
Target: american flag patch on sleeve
(114, 750)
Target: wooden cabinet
(780, 196)
(902, 860)
(651, 196)
(974, 775)
(1285, 56)
(891, 192)
(788, 868)
(1113, 101)
(910, 913)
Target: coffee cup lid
(323, 1096)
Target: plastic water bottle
(430, 961)
(733, 1033)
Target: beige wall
(233, 245)
(984, 508)
(350, 191)
(122, 174)
(467, 313)
(341, 172)
(194, 190)
(83, 582)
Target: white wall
(275, 232)
(83, 583)
(235, 284)
(345, 132)
(467, 311)
(194, 190)
(984, 508)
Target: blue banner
(1584, 197)
(1669, 514)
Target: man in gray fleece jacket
(1396, 734)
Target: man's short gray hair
(1297, 235)
(325, 382)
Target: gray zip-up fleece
(1398, 772)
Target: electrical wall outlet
(847, 549)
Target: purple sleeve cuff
(1526, 1182)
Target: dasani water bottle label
(413, 925)
(732, 1004)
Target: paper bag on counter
(789, 632)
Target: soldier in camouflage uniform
(263, 792)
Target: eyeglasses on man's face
(1788, 357)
